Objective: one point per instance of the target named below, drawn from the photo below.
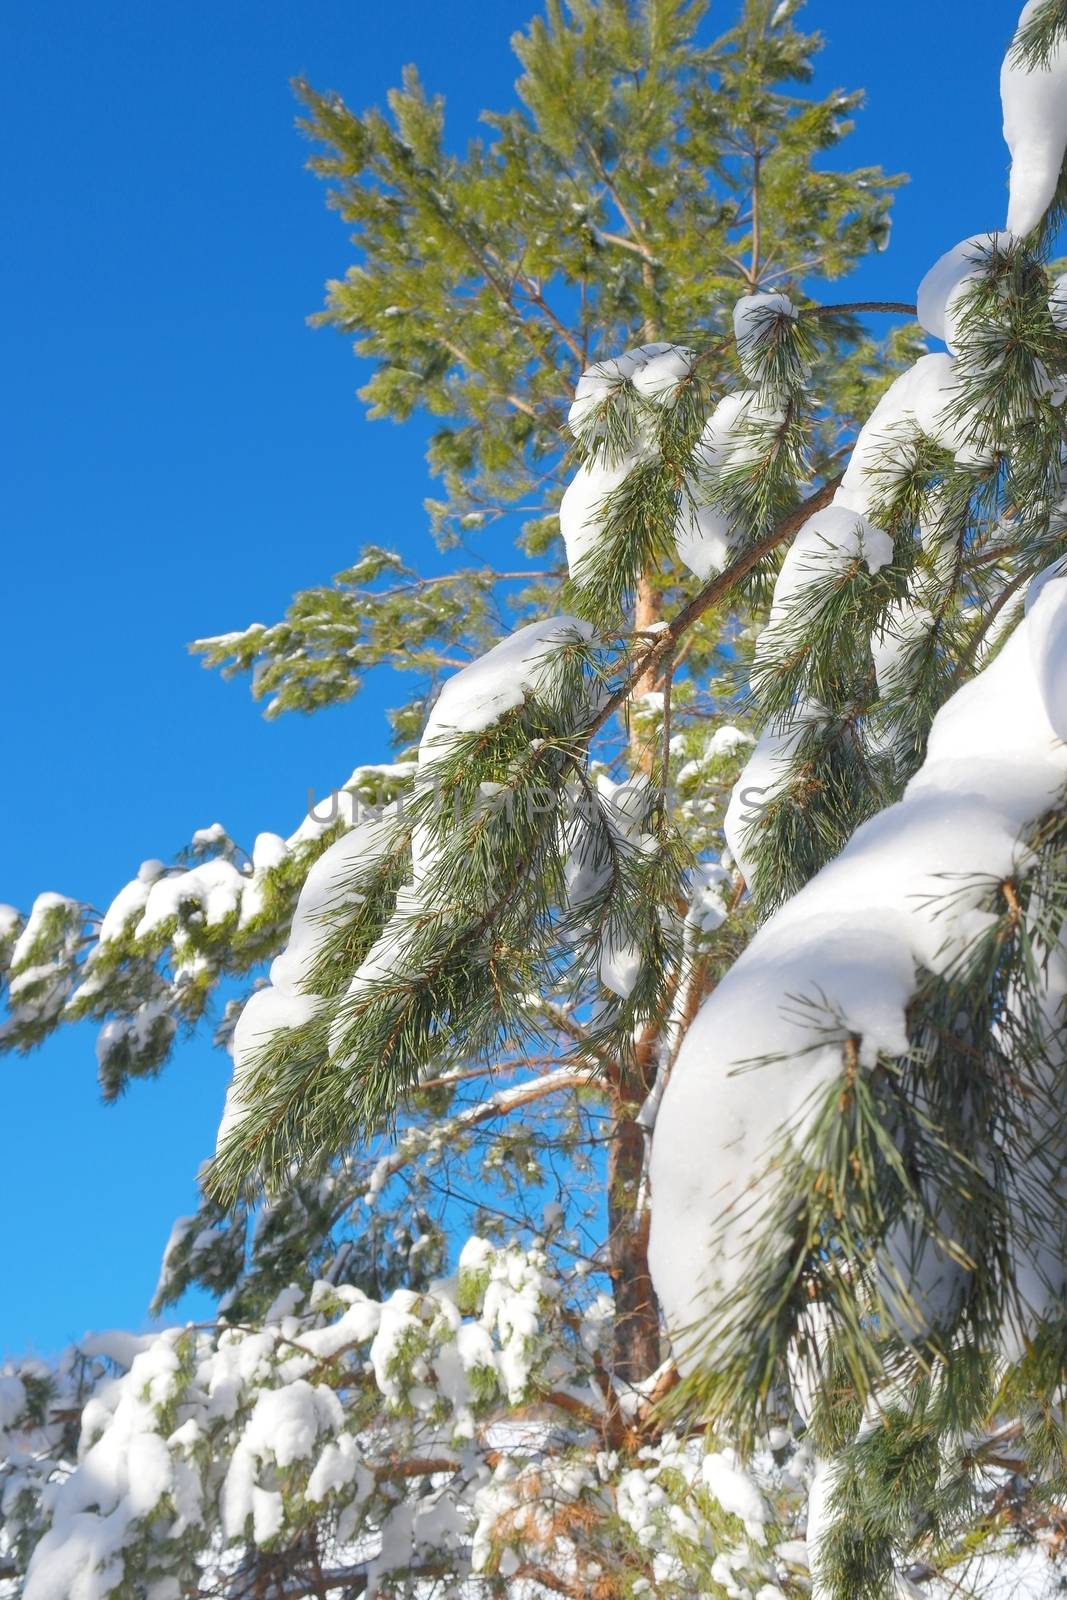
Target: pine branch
(708, 597)
(892, 307)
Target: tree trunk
(648, 609)
(636, 1336)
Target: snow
(337, 1466)
(129, 902)
(583, 511)
(206, 838)
(707, 907)
(727, 741)
(703, 532)
(734, 432)
(519, 666)
(115, 1344)
(655, 371)
(828, 544)
(850, 943)
(41, 910)
(920, 398)
(268, 852)
(286, 1423)
(819, 1493)
(657, 378)
(214, 888)
(268, 1514)
(735, 1491)
(702, 537)
(756, 317)
(331, 887)
(268, 1012)
(1035, 128)
(622, 809)
(766, 773)
(122, 1475)
(396, 1323)
(945, 285)
(903, 629)
(733, 437)
(357, 1325)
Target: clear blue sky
(181, 452)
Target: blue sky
(182, 452)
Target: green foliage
(485, 282)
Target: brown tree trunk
(648, 609)
(637, 1348)
(636, 1337)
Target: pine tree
(532, 906)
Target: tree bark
(648, 610)
(636, 1334)
(637, 1343)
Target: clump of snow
(658, 377)
(498, 682)
(727, 741)
(850, 943)
(286, 1423)
(903, 628)
(583, 510)
(946, 283)
(130, 902)
(44, 908)
(732, 437)
(756, 317)
(1035, 128)
(735, 1491)
(828, 543)
(707, 904)
(765, 775)
(207, 838)
(702, 536)
(622, 809)
(654, 370)
(331, 887)
(926, 397)
(213, 890)
(337, 1467)
(268, 1012)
